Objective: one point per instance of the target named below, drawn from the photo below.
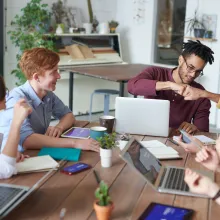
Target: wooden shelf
(201, 39)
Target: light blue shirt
(38, 121)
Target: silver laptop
(164, 179)
(142, 116)
(10, 196)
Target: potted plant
(60, 14)
(29, 31)
(196, 25)
(103, 205)
(113, 25)
(107, 143)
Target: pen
(28, 101)
(96, 176)
(172, 141)
(62, 213)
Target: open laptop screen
(143, 161)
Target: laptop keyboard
(175, 180)
(7, 194)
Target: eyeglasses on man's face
(191, 69)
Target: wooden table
(120, 73)
(130, 193)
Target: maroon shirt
(196, 111)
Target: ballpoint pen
(62, 213)
(96, 176)
(172, 141)
(28, 101)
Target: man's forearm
(66, 121)
(37, 141)
(163, 86)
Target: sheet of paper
(36, 164)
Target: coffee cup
(97, 132)
(107, 121)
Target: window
(169, 31)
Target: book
(157, 148)
(69, 154)
(36, 164)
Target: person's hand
(192, 93)
(209, 158)
(200, 184)
(178, 88)
(188, 127)
(87, 144)
(20, 157)
(54, 131)
(192, 146)
(21, 111)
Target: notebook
(36, 164)
(69, 154)
(205, 140)
(157, 148)
(142, 116)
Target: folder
(69, 154)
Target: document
(36, 164)
(204, 139)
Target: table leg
(121, 89)
(71, 82)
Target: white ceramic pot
(88, 28)
(104, 28)
(59, 29)
(106, 157)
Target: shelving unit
(202, 39)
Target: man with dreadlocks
(170, 84)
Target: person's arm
(201, 117)
(148, 83)
(192, 93)
(66, 121)
(37, 141)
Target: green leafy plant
(194, 23)
(102, 194)
(59, 12)
(108, 141)
(29, 32)
(113, 24)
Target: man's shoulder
(158, 68)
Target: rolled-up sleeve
(7, 166)
(143, 84)
(58, 107)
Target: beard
(183, 76)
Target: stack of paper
(157, 148)
(36, 164)
(205, 140)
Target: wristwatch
(217, 195)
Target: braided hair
(199, 49)
(2, 89)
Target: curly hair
(199, 49)
(38, 60)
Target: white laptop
(142, 116)
(164, 179)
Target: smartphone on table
(167, 212)
(75, 168)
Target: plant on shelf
(113, 25)
(107, 143)
(196, 25)
(103, 205)
(60, 14)
(29, 32)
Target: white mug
(104, 28)
(88, 28)
(71, 30)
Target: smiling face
(190, 68)
(48, 79)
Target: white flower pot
(106, 157)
